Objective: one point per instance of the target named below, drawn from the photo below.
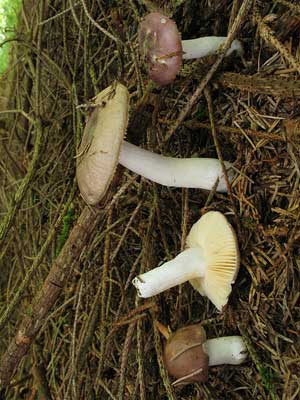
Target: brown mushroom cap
(103, 135)
(160, 44)
(184, 356)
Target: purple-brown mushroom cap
(160, 45)
(184, 356)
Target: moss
(64, 233)
(267, 376)
(9, 10)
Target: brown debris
(98, 339)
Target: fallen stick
(44, 300)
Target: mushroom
(161, 45)
(188, 353)
(98, 154)
(197, 173)
(210, 262)
(102, 147)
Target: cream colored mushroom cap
(98, 154)
(217, 240)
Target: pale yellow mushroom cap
(217, 240)
(98, 154)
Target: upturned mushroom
(103, 147)
(210, 262)
(188, 354)
(162, 48)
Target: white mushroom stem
(225, 350)
(205, 46)
(199, 173)
(189, 264)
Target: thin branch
(198, 92)
(115, 39)
(267, 34)
(220, 157)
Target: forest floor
(100, 341)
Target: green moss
(29, 311)
(9, 10)
(64, 233)
(201, 113)
(267, 376)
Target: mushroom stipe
(188, 353)
(103, 147)
(210, 262)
